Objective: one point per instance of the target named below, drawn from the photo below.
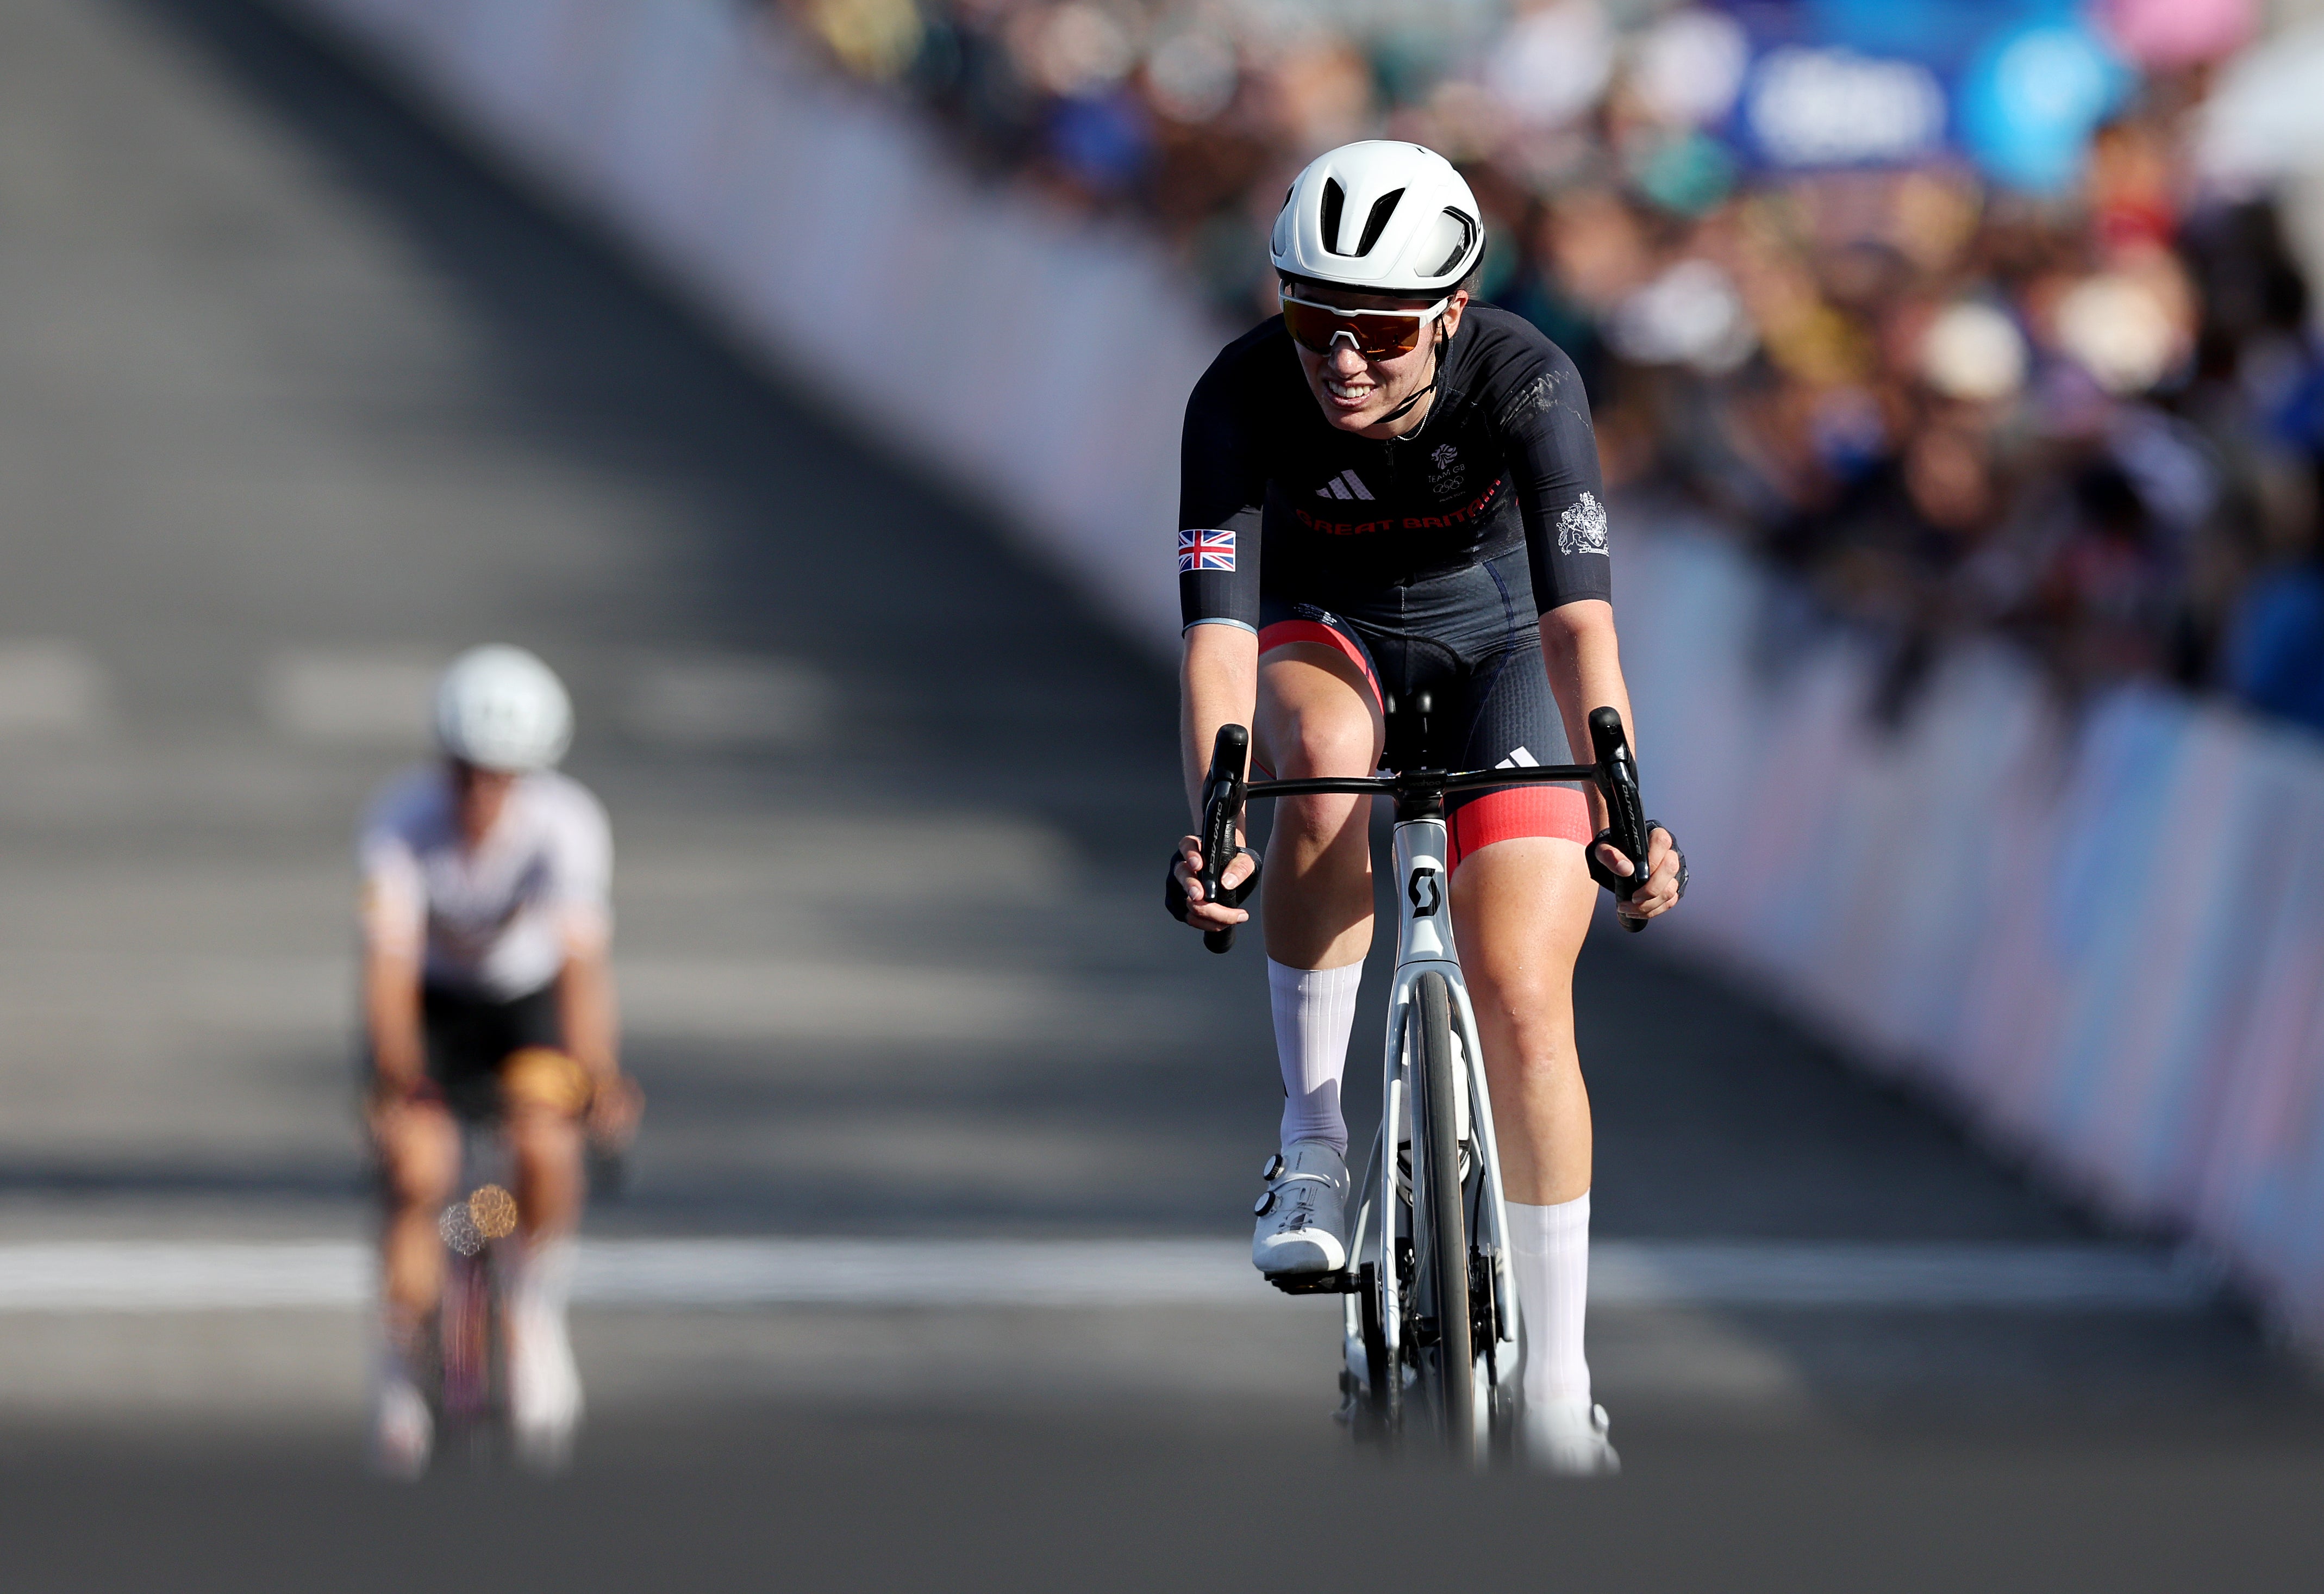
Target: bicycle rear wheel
(1439, 1217)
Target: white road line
(1925, 1275)
(107, 1276)
(134, 1277)
(49, 686)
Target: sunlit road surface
(929, 1264)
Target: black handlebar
(1224, 791)
(1626, 812)
(1615, 774)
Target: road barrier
(2101, 936)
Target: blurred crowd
(1930, 300)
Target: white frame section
(1424, 944)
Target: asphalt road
(297, 397)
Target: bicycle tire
(1444, 1216)
(464, 1341)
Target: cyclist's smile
(1355, 392)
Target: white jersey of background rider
(499, 921)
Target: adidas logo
(1520, 759)
(1345, 485)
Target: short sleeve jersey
(1274, 501)
(500, 921)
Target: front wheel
(1439, 1219)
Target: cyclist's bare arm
(592, 1031)
(1218, 684)
(391, 1014)
(1583, 657)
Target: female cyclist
(488, 995)
(1390, 491)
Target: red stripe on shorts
(1562, 812)
(1322, 636)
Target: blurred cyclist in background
(488, 995)
(1424, 476)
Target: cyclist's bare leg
(419, 1157)
(545, 1389)
(1520, 910)
(549, 1183)
(419, 1148)
(1316, 718)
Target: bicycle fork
(1425, 945)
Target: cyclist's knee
(1526, 999)
(1325, 727)
(1524, 992)
(543, 1082)
(419, 1154)
(1329, 746)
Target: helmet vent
(1376, 222)
(1335, 197)
(1467, 228)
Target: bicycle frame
(1388, 1218)
(471, 1395)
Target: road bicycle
(1429, 1322)
(469, 1365)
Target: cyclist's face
(1354, 392)
(480, 795)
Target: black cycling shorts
(1469, 640)
(469, 1037)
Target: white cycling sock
(394, 1366)
(1549, 1261)
(1315, 1009)
(544, 1278)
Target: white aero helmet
(500, 708)
(1381, 217)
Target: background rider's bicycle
(1429, 1328)
(470, 1357)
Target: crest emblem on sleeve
(1581, 529)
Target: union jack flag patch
(1205, 550)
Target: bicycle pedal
(1342, 1283)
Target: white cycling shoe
(402, 1429)
(544, 1388)
(1568, 1437)
(1303, 1216)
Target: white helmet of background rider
(500, 708)
(1381, 217)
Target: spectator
(2075, 414)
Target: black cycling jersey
(1505, 457)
